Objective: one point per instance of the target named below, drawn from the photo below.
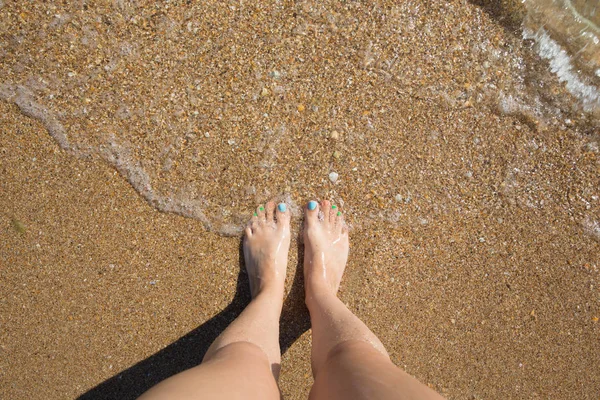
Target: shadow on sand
(508, 13)
(188, 351)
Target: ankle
(270, 293)
(317, 295)
(318, 285)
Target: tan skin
(348, 360)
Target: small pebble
(231, 142)
(301, 107)
(264, 92)
(398, 197)
(335, 135)
(337, 154)
(333, 177)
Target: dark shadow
(295, 319)
(188, 351)
(508, 13)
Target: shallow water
(421, 111)
(568, 36)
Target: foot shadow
(188, 351)
(295, 319)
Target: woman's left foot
(266, 246)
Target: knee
(243, 351)
(250, 361)
(352, 351)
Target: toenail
(261, 208)
(312, 205)
(334, 207)
(339, 213)
(282, 207)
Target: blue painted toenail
(312, 205)
(282, 207)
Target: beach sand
(475, 244)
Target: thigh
(355, 370)
(237, 371)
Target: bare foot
(266, 246)
(326, 247)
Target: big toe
(282, 215)
(312, 213)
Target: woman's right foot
(326, 246)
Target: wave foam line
(560, 64)
(117, 155)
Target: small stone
(206, 134)
(19, 226)
(592, 147)
(231, 142)
(453, 320)
(337, 154)
(275, 74)
(264, 92)
(481, 240)
(301, 107)
(398, 198)
(333, 177)
(335, 135)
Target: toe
(270, 206)
(282, 215)
(260, 214)
(248, 231)
(312, 212)
(338, 218)
(325, 209)
(333, 212)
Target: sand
(475, 244)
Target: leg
(348, 360)
(243, 362)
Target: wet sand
(475, 240)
